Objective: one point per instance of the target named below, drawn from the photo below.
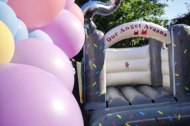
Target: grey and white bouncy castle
(140, 86)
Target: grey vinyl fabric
(134, 96)
(156, 94)
(115, 98)
(181, 35)
(155, 62)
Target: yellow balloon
(7, 45)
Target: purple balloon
(33, 97)
(47, 56)
(69, 3)
(67, 32)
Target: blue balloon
(8, 16)
(22, 31)
(40, 35)
(6, 1)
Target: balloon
(33, 97)
(22, 31)
(49, 57)
(40, 35)
(67, 32)
(69, 3)
(36, 13)
(75, 9)
(6, 44)
(4, 1)
(8, 16)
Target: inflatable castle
(147, 85)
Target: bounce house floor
(163, 113)
(141, 105)
(134, 95)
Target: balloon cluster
(37, 39)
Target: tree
(131, 10)
(81, 2)
(183, 19)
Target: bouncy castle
(146, 85)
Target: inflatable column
(180, 35)
(93, 61)
(155, 62)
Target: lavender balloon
(47, 56)
(33, 97)
(67, 32)
(69, 3)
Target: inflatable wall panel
(128, 78)
(128, 65)
(127, 53)
(165, 68)
(166, 81)
(164, 55)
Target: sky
(175, 8)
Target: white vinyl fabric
(166, 80)
(127, 53)
(165, 68)
(128, 66)
(128, 78)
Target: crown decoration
(144, 32)
(136, 32)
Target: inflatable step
(157, 95)
(134, 96)
(95, 114)
(162, 115)
(114, 98)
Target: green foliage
(183, 19)
(81, 2)
(132, 10)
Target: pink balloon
(47, 56)
(67, 32)
(69, 3)
(33, 97)
(36, 13)
(75, 9)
